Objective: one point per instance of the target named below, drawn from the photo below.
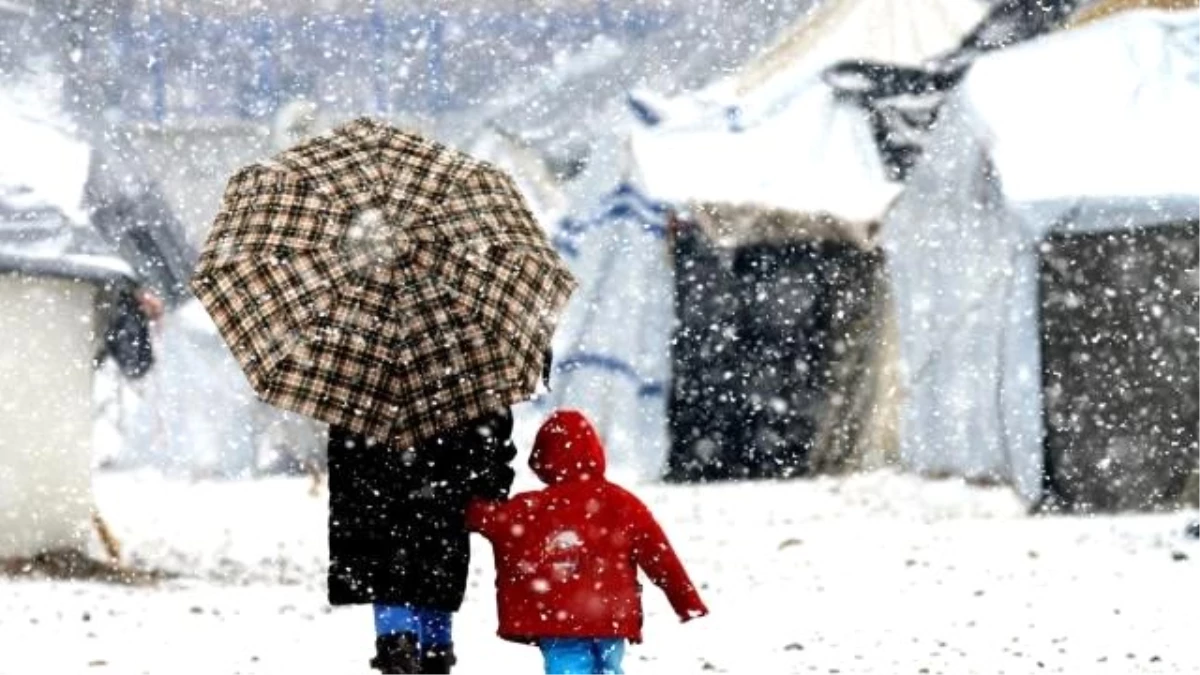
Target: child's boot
(397, 654)
(438, 659)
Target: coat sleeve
(485, 517)
(657, 559)
(491, 453)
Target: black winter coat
(397, 531)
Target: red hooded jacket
(567, 555)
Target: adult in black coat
(397, 533)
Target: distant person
(567, 556)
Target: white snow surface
(879, 573)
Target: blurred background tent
(566, 140)
(70, 298)
(72, 211)
(1043, 258)
(780, 361)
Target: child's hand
(693, 613)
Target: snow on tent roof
(41, 167)
(43, 219)
(40, 242)
(109, 200)
(1123, 125)
(582, 98)
(815, 155)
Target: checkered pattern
(383, 282)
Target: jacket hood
(567, 449)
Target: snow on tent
(574, 118)
(1044, 262)
(67, 296)
(780, 363)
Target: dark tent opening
(775, 355)
(1120, 366)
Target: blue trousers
(568, 656)
(431, 626)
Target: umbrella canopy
(383, 282)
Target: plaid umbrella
(380, 281)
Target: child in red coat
(567, 555)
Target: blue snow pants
(432, 627)
(569, 656)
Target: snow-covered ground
(879, 574)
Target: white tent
(1089, 129)
(49, 328)
(612, 353)
(774, 136)
(790, 145)
(46, 350)
(613, 349)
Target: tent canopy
(896, 32)
(1102, 9)
(774, 135)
